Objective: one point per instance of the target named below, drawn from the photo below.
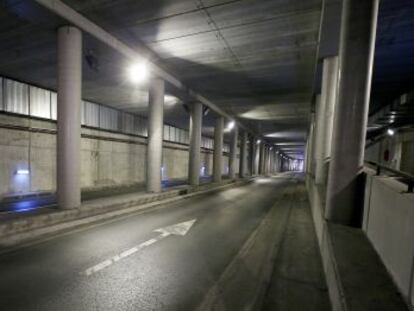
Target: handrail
(409, 177)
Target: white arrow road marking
(180, 229)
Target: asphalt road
(169, 273)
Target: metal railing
(406, 178)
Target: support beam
(196, 117)
(155, 134)
(243, 155)
(69, 74)
(218, 149)
(356, 55)
(233, 152)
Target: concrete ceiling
(255, 59)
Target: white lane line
(180, 229)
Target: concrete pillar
(196, 119)
(261, 158)
(155, 134)
(356, 54)
(69, 76)
(252, 155)
(318, 138)
(326, 116)
(218, 149)
(243, 155)
(257, 157)
(233, 152)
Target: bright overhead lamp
(138, 72)
(258, 141)
(390, 132)
(230, 125)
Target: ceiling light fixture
(138, 73)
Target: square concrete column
(218, 149)
(155, 134)
(69, 88)
(233, 152)
(325, 115)
(243, 155)
(196, 119)
(356, 55)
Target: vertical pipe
(218, 149)
(356, 54)
(196, 117)
(155, 134)
(69, 73)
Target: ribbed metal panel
(108, 118)
(91, 114)
(39, 102)
(16, 97)
(128, 123)
(53, 105)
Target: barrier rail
(407, 178)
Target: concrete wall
(389, 225)
(108, 158)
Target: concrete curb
(24, 231)
(332, 275)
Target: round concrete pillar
(155, 134)
(218, 149)
(196, 117)
(69, 88)
(233, 152)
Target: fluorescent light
(230, 125)
(138, 73)
(22, 172)
(258, 141)
(390, 132)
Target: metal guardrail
(408, 178)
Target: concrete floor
(175, 272)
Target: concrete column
(251, 155)
(69, 76)
(328, 100)
(243, 155)
(218, 149)
(261, 158)
(310, 145)
(356, 54)
(319, 134)
(233, 152)
(257, 157)
(196, 119)
(155, 134)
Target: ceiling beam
(139, 53)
